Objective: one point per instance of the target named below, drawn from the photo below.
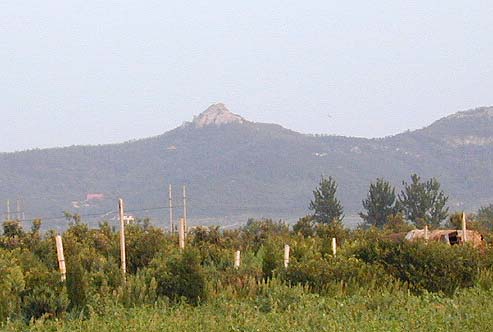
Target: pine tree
(380, 204)
(485, 216)
(423, 203)
(327, 208)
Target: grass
(293, 309)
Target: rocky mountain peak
(478, 113)
(465, 128)
(216, 114)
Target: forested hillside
(234, 168)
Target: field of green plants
(283, 308)
(372, 284)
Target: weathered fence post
(286, 255)
(61, 257)
(181, 234)
(237, 259)
(334, 246)
(426, 233)
(464, 230)
(122, 240)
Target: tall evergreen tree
(485, 216)
(379, 204)
(423, 203)
(325, 205)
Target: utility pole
(8, 209)
(170, 204)
(185, 209)
(122, 240)
(18, 209)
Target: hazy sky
(88, 72)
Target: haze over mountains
(234, 169)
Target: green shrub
(272, 258)
(11, 285)
(435, 267)
(331, 274)
(182, 277)
(77, 285)
(140, 289)
(305, 226)
(143, 243)
(44, 294)
(257, 232)
(276, 296)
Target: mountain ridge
(237, 168)
(479, 111)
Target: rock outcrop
(216, 114)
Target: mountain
(234, 169)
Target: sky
(96, 72)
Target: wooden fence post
(181, 234)
(61, 257)
(286, 255)
(464, 230)
(426, 233)
(122, 240)
(237, 259)
(334, 246)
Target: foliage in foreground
(282, 308)
(368, 275)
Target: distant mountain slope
(235, 168)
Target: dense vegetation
(292, 309)
(373, 276)
(372, 283)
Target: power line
(198, 207)
(107, 194)
(94, 214)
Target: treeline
(418, 204)
(367, 260)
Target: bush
(142, 245)
(44, 293)
(11, 285)
(257, 232)
(434, 267)
(272, 258)
(305, 226)
(182, 277)
(140, 289)
(330, 274)
(77, 286)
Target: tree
(305, 226)
(379, 204)
(13, 228)
(327, 208)
(423, 203)
(397, 224)
(182, 276)
(485, 216)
